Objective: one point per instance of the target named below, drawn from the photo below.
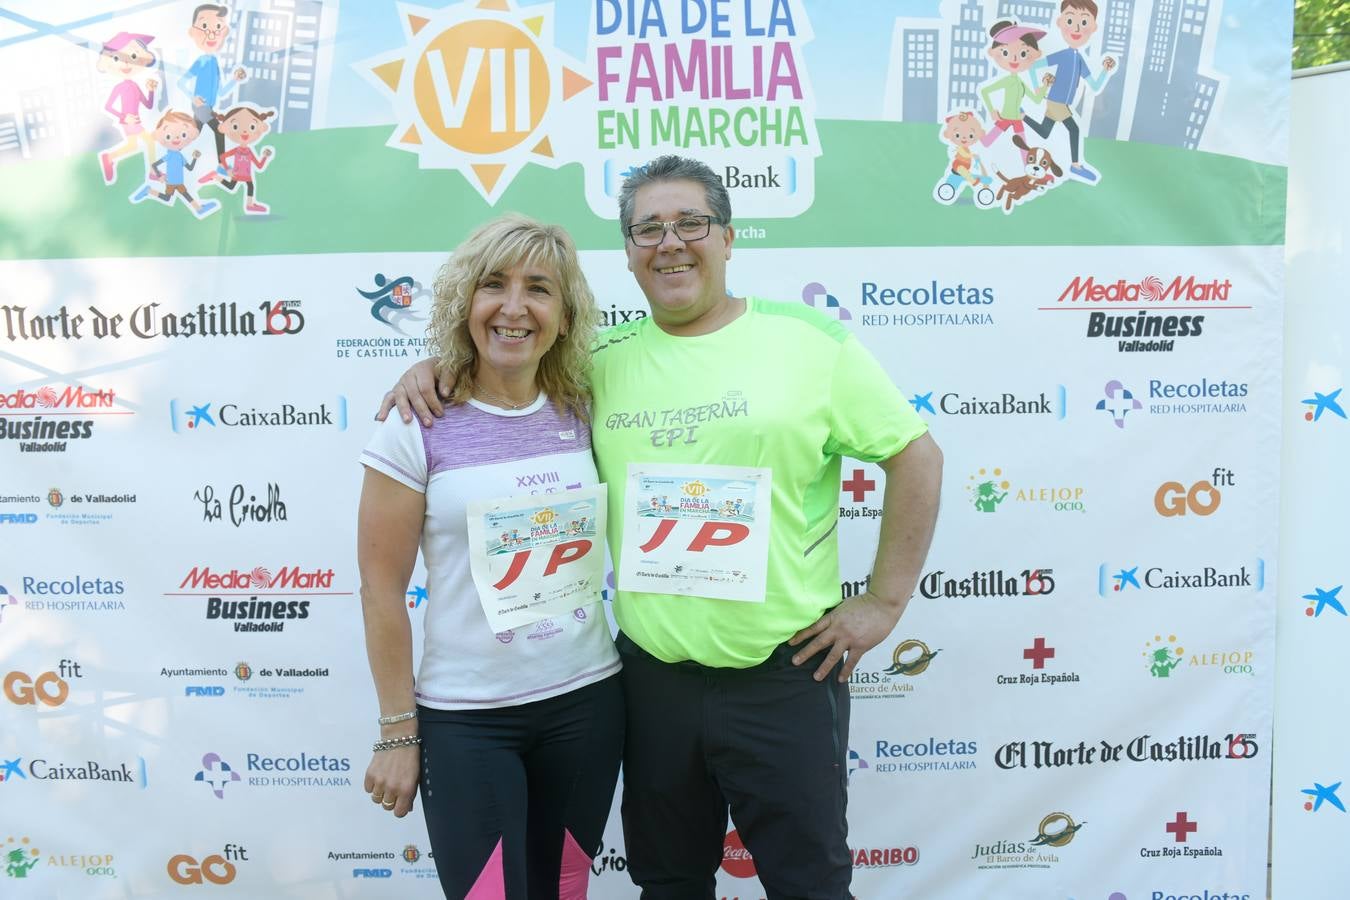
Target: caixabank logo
(1154, 314)
(1144, 749)
(55, 418)
(909, 660)
(1050, 403)
(1055, 832)
(257, 599)
(44, 770)
(1116, 580)
(211, 416)
(150, 321)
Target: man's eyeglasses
(210, 31)
(686, 228)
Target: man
(737, 691)
(201, 82)
(1077, 24)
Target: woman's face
(131, 58)
(515, 316)
(1014, 57)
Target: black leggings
(516, 798)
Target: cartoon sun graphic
(478, 87)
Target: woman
(125, 56)
(520, 730)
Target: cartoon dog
(1041, 170)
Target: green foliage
(1321, 32)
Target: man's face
(208, 31)
(1077, 25)
(684, 281)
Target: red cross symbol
(1038, 653)
(858, 486)
(1182, 827)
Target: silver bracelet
(401, 717)
(407, 740)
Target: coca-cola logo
(736, 860)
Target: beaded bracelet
(407, 740)
(401, 717)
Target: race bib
(539, 556)
(697, 530)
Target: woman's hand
(391, 778)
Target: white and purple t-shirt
(479, 452)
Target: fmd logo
(478, 87)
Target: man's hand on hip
(850, 629)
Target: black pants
(516, 798)
(768, 742)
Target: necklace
(505, 404)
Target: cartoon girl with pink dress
(244, 126)
(127, 55)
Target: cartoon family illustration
(128, 57)
(1056, 80)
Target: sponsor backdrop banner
(1063, 239)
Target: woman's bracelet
(407, 740)
(401, 717)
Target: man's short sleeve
(398, 450)
(870, 419)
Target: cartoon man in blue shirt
(202, 82)
(1077, 23)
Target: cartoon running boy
(201, 82)
(127, 56)
(245, 125)
(1014, 50)
(963, 131)
(1077, 23)
(174, 132)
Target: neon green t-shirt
(782, 387)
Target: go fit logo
(49, 688)
(218, 868)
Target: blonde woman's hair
(511, 240)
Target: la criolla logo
(479, 87)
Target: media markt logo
(46, 419)
(1149, 315)
(290, 592)
(20, 857)
(1320, 403)
(953, 403)
(1118, 401)
(480, 87)
(191, 417)
(1113, 579)
(989, 487)
(726, 81)
(1055, 832)
(816, 296)
(1179, 830)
